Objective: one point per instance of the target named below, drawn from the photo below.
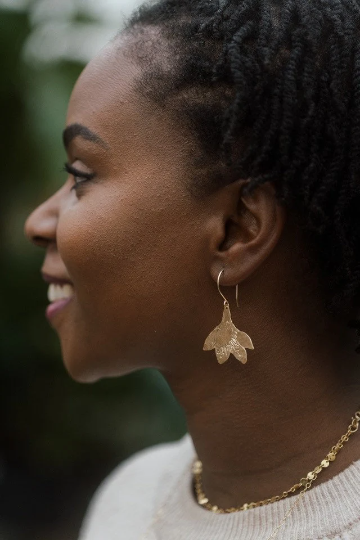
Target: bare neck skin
(260, 427)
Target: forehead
(104, 92)
(105, 101)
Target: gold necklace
(304, 484)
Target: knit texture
(125, 504)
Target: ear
(245, 229)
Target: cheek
(130, 258)
(101, 238)
(106, 232)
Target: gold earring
(226, 339)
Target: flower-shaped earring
(226, 339)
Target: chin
(80, 367)
(80, 373)
(91, 369)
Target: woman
(214, 149)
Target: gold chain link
(304, 484)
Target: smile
(59, 296)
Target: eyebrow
(78, 130)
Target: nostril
(40, 241)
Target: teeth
(60, 292)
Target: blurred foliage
(58, 438)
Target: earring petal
(210, 342)
(239, 352)
(244, 339)
(222, 354)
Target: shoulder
(133, 488)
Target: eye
(79, 176)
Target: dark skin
(144, 257)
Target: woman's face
(128, 237)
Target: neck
(258, 428)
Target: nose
(41, 225)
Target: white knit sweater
(126, 503)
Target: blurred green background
(59, 439)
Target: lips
(54, 279)
(57, 306)
(60, 293)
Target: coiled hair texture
(271, 91)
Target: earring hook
(218, 284)
(237, 290)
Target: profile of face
(123, 235)
(132, 256)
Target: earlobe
(252, 225)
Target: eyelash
(77, 174)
